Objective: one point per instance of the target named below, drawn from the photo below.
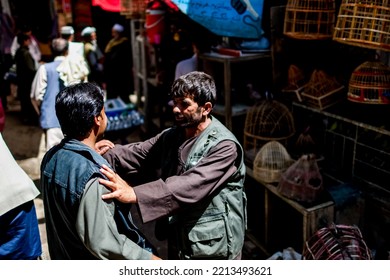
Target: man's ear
(207, 108)
(98, 120)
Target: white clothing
(186, 66)
(71, 70)
(76, 48)
(53, 137)
(15, 185)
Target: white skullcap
(88, 31)
(67, 30)
(117, 27)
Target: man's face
(187, 112)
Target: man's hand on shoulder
(103, 146)
(120, 190)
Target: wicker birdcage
(370, 83)
(305, 144)
(133, 9)
(266, 121)
(271, 160)
(322, 90)
(309, 19)
(337, 242)
(364, 23)
(295, 81)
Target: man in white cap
(93, 55)
(118, 65)
(67, 32)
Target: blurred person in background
(19, 234)
(49, 80)
(33, 47)
(93, 55)
(118, 65)
(25, 72)
(7, 28)
(75, 48)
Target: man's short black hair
(77, 106)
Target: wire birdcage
(266, 121)
(364, 23)
(370, 83)
(309, 19)
(271, 160)
(337, 242)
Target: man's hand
(103, 146)
(120, 189)
(154, 257)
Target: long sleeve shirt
(162, 197)
(99, 232)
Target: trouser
(19, 234)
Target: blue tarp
(235, 18)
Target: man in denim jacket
(79, 224)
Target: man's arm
(38, 88)
(160, 198)
(97, 228)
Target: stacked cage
(266, 121)
(309, 19)
(364, 23)
(370, 83)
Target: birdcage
(302, 181)
(296, 81)
(271, 160)
(337, 242)
(364, 23)
(309, 19)
(266, 121)
(322, 90)
(370, 83)
(133, 9)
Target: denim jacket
(66, 170)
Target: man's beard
(187, 123)
(191, 122)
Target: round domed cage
(364, 23)
(336, 242)
(268, 120)
(370, 83)
(271, 160)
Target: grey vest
(214, 228)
